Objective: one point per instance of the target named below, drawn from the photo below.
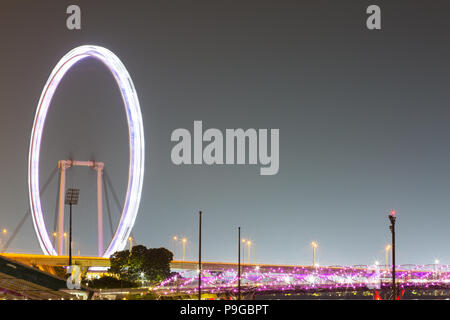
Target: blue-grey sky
(363, 117)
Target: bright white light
(287, 279)
(135, 136)
(98, 269)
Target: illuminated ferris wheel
(136, 153)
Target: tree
(151, 264)
(156, 265)
(107, 282)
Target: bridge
(220, 278)
(271, 280)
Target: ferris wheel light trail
(135, 136)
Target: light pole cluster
(55, 236)
(183, 241)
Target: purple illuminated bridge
(222, 277)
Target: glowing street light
(65, 243)
(183, 241)
(130, 239)
(249, 244)
(386, 249)
(436, 267)
(244, 241)
(174, 244)
(314, 246)
(2, 240)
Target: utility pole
(72, 196)
(200, 256)
(392, 219)
(239, 263)
(70, 236)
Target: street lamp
(314, 247)
(65, 243)
(54, 237)
(2, 240)
(392, 219)
(239, 263)
(200, 256)
(72, 196)
(183, 241)
(174, 242)
(386, 249)
(130, 239)
(244, 241)
(249, 244)
(436, 267)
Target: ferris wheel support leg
(62, 164)
(99, 168)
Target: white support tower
(98, 166)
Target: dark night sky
(363, 117)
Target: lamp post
(200, 256)
(65, 243)
(314, 247)
(72, 196)
(174, 242)
(392, 219)
(183, 241)
(54, 237)
(249, 244)
(2, 240)
(386, 249)
(130, 239)
(436, 268)
(239, 263)
(243, 242)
